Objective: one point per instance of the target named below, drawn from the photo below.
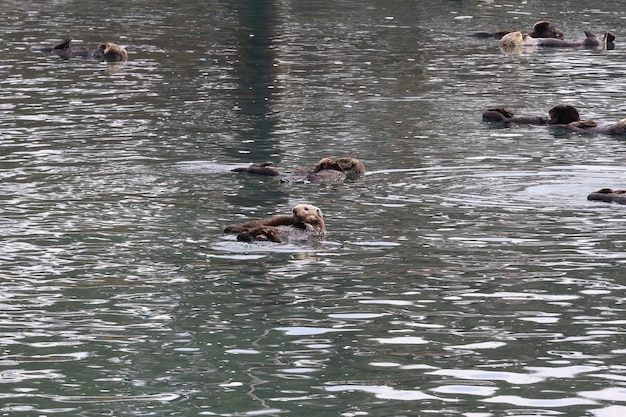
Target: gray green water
(465, 275)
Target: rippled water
(466, 274)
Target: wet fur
(608, 195)
(305, 221)
(559, 114)
(111, 52)
(327, 170)
(108, 51)
(542, 29)
(561, 117)
(513, 40)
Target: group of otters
(307, 220)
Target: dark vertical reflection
(256, 74)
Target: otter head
(563, 114)
(112, 52)
(351, 165)
(511, 40)
(545, 29)
(327, 163)
(346, 165)
(515, 42)
(308, 217)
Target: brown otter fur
(108, 51)
(511, 42)
(542, 29)
(327, 170)
(559, 114)
(305, 221)
(112, 52)
(608, 195)
(562, 117)
(563, 113)
(545, 29)
(592, 127)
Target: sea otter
(111, 52)
(561, 114)
(608, 195)
(306, 221)
(543, 29)
(107, 51)
(561, 117)
(327, 170)
(514, 40)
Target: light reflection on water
(466, 274)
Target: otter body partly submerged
(306, 221)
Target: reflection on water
(466, 274)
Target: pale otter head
(309, 217)
(515, 41)
(511, 40)
(112, 52)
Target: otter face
(310, 216)
(113, 52)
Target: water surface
(466, 274)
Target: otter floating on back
(542, 29)
(561, 114)
(512, 42)
(561, 117)
(608, 195)
(327, 170)
(306, 221)
(107, 51)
